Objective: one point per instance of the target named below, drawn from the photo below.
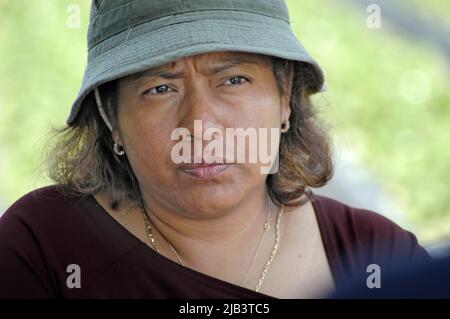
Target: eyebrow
(221, 65)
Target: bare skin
(300, 269)
(215, 224)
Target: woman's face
(222, 90)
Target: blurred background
(387, 105)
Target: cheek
(265, 113)
(262, 107)
(261, 114)
(147, 144)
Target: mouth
(203, 171)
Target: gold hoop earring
(117, 151)
(285, 126)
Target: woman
(127, 218)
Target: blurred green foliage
(40, 73)
(439, 8)
(389, 106)
(387, 101)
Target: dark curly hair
(83, 162)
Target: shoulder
(35, 228)
(60, 222)
(366, 231)
(48, 195)
(44, 216)
(42, 206)
(362, 221)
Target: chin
(208, 202)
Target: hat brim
(148, 45)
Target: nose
(199, 104)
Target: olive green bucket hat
(129, 36)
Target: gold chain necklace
(274, 251)
(266, 227)
(153, 241)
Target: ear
(286, 97)
(116, 136)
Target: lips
(203, 170)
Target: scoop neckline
(166, 261)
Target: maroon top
(45, 231)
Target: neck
(219, 234)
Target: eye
(158, 90)
(236, 80)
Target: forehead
(221, 57)
(210, 63)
